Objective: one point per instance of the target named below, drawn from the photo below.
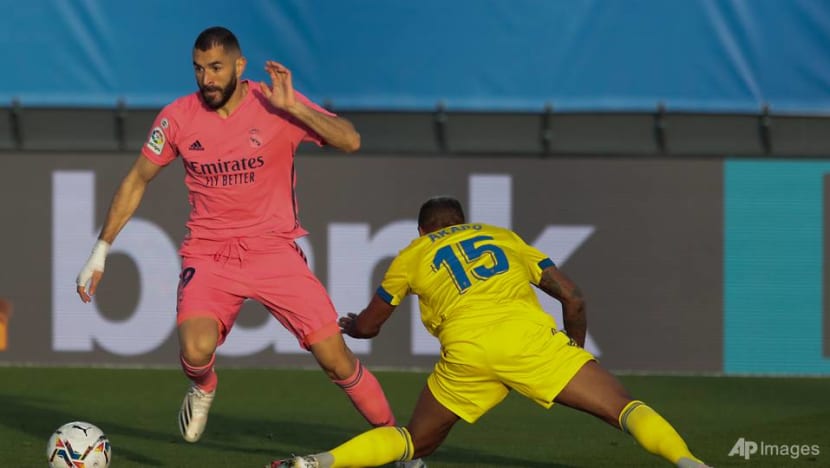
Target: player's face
(216, 75)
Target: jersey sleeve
(534, 260)
(160, 147)
(311, 135)
(395, 285)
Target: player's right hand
(281, 92)
(346, 323)
(92, 271)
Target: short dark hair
(216, 36)
(439, 212)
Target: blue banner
(775, 285)
(518, 55)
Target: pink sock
(203, 376)
(367, 396)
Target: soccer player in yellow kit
(473, 284)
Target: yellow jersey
(468, 274)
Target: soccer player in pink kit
(237, 140)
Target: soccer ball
(78, 444)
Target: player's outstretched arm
(335, 131)
(124, 203)
(367, 324)
(557, 285)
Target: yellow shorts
(479, 367)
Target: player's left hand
(281, 91)
(346, 323)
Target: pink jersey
(239, 171)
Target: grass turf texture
(263, 414)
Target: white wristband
(99, 254)
(96, 262)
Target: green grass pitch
(263, 414)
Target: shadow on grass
(458, 455)
(39, 418)
(282, 438)
(268, 438)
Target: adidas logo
(196, 146)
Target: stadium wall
(671, 158)
(689, 264)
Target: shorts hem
(321, 334)
(584, 359)
(470, 419)
(196, 313)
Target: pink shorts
(217, 276)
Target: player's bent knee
(196, 356)
(197, 350)
(198, 337)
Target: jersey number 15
(446, 256)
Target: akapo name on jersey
(435, 235)
(224, 172)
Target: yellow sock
(375, 447)
(653, 433)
